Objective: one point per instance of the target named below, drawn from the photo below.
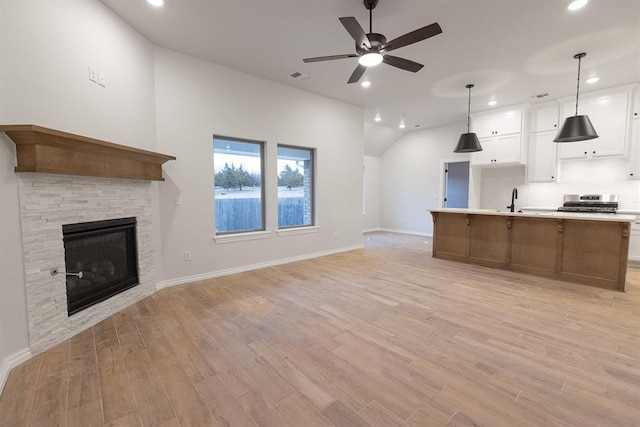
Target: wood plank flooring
(384, 336)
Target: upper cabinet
(501, 150)
(506, 122)
(634, 163)
(609, 114)
(544, 119)
(542, 163)
(500, 134)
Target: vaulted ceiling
(512, 50)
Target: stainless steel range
(590, 203)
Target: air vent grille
(300, 76)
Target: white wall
(497, 184)
(196, 99)
(13, 312)
(371, 193)
(410, 177)
(46, 48)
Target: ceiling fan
(373, 48)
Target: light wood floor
(385, 336)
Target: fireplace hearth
(101, 261)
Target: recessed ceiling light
(577, 4)
(401, 125)
(365, 83)
(378, 118)
(156, 3)
(593, 80)
(492, 102)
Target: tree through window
(295, 186)
(239, 185)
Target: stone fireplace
(68, 183)
(49, 204)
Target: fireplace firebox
(101, 260)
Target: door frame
(443, 182)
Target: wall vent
(300, 76)
(540, 95)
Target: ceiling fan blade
(330, 58)
(356, 31)
(357, 73)
(402, 63)
(413, 37)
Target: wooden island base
(585, 251)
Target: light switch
(101, 79)
(93, 74)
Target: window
(295, 186)
(239, 185)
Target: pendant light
(576, 128)
(468, 142)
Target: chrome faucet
(514, 197)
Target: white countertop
(619, 211)
(543, 214)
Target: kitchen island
(589, 249)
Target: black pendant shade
(468, 142)
(576, 128)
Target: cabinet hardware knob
(631, 174)
(594, 152)
(585, 152)
(552, 177)
(555, 126)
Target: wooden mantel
(45, 150)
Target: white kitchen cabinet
(497, 123)
(542, 163)
(544, 119)
(500, 150)
(634, 160)
(609, 115)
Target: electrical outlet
(101, 79)
(187, 255)
(93, 74)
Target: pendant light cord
(578, 85)
(370, 20)
(469, 110)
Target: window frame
(263, 197)
(313, 225)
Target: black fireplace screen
(101, 261)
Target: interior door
(456, 185)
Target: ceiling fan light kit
(468, 142)
(372, 48)
(576, 128)
(370, 59)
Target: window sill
(298, 230)
(241, 237)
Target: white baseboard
(10, 362)
(371, 230)
(415, 233)
(244, 268)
